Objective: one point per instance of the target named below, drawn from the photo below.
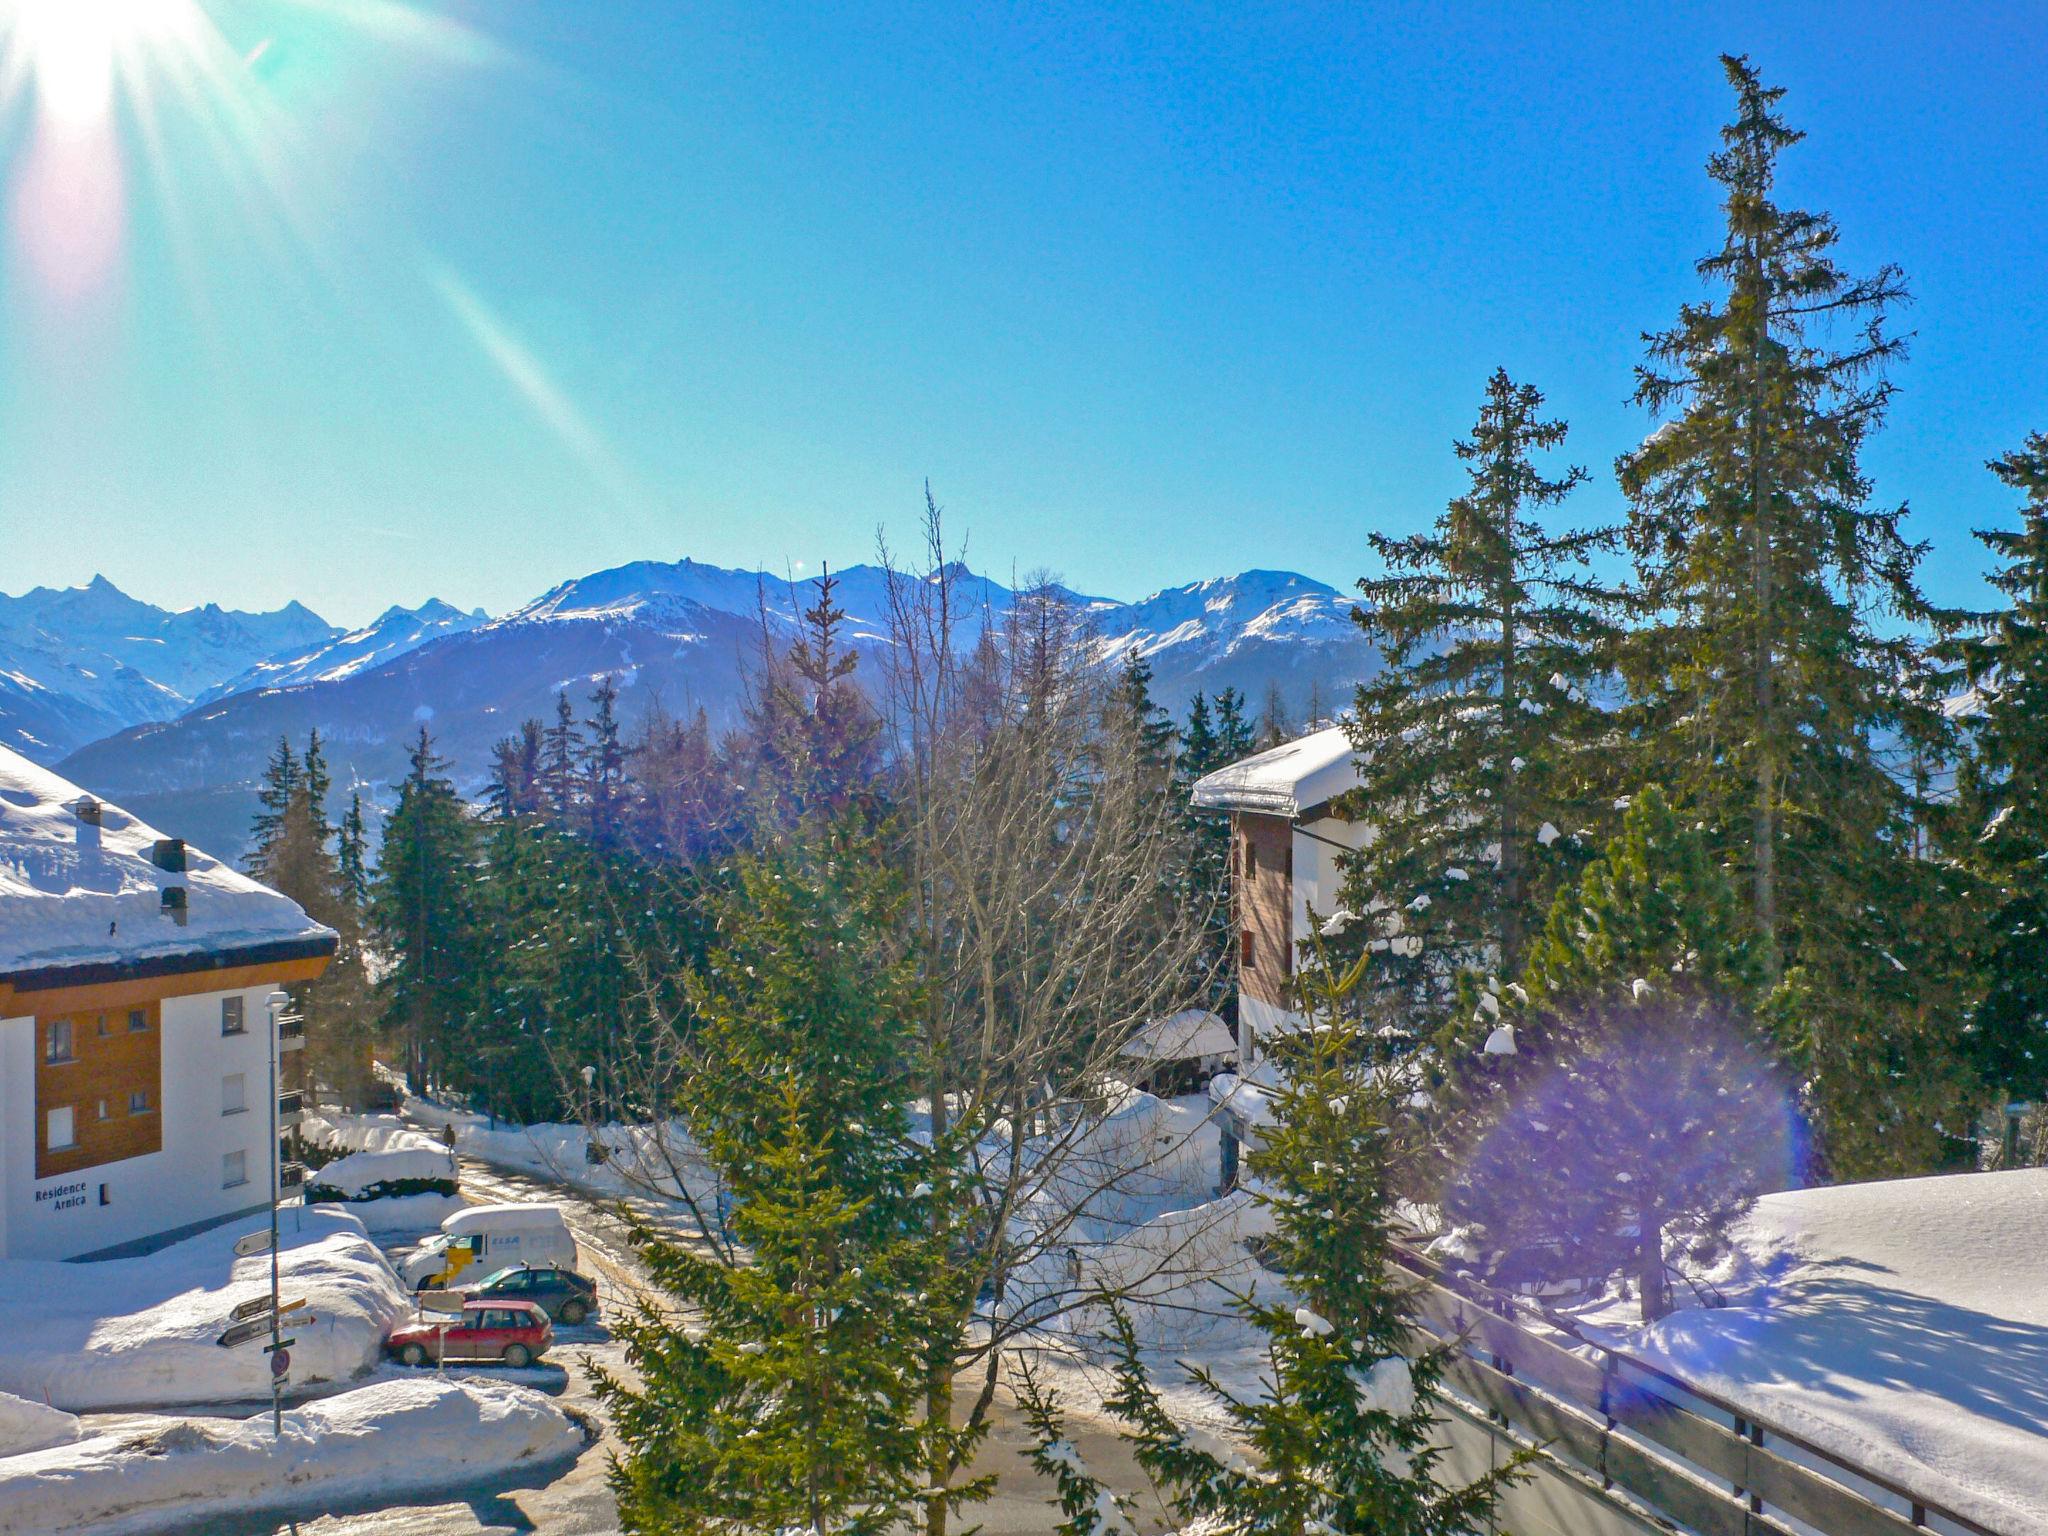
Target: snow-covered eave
(1285, 780)
(220, 967)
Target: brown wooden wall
(1262, 865)
(110, 1062)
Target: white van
(483, 1238)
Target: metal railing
(1630, 1425)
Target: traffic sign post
(280, 1363)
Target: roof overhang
(113, 984)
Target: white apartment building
(134, 1030)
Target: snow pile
(1901, 1325)
(142, 1332)
(27, 1426)
(368, 1445)
(79, 894)
(632, 1160)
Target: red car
(516, 1332)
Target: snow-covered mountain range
(173, 714)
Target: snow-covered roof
(1283, 780)
(1183, 1036)
(86, 899)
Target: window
(1251, 856)
(60, 1134)
(138, 1101)
(57, 1044)
(234, 1169)
(103, 1026)
(234, 1093)
(138, 1021)
(231, 1016)
(1247, 952)
(103, 1109)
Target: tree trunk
(1650, 1268)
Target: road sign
(252, 1243)
(242, 1333)
(281, 1361)
(259, 1306)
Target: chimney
(174, 904)
(87, 810)
(168, 854)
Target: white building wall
(1318, 887)
(177, 1187)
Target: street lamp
(278, 1002)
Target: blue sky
(362, 301)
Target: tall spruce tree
(420, 905)
(1339, 1436)
(1153, 725)
(793, 1397)
(1779, 658)
(604, 771)
(273, 801)
(1626, 1089)
(2004, 789)
(352, 853)
(561, 762)
(1481, 729)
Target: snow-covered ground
(1901, 1325)
(142, 1332)
(371, 1444)
(27, 1426)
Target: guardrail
(1628, 1425)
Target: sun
(73, 52)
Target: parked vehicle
(494, 1236)
(516, 1333)
(564, 1295)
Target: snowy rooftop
(76, 895)
(1283, 780)
(1183, 1036)
(1904, 1326)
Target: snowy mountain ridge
(680, 636)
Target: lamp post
(278, 1002)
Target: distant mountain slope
(393, 633)
(79, 663)
(681, 632)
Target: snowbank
(400, 1215)
(27, 1426)
(366, 1175)
(371, 1444)
(1902, 1325)
(141, 1332)
(636, 1159)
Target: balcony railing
(291, 1175)
(291, 1034)
(290, 1105)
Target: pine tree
(1479, 731)
(605, 768)
(353, 854)
(561, 752)
(1339, 1438)
(1631, 1090)
(1206, 859)
(1198, 750)
(1235, 737)
(295, 858)
(313, 767)
(273, 799)
(792, 1399)
(1780, 655)
(1153, 725)
(2005, 785)
(811, 728)
(420, 906)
